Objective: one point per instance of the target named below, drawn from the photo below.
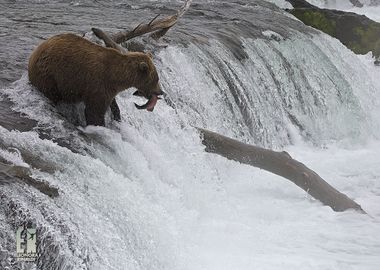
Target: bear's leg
(94, 113)
(115, 110)
(48, 86)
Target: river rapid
(143, 194)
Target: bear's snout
(158, 91)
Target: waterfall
(143, 194)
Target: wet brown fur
(69, 68)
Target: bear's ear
(150, 55)
(143, 66)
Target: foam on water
(152, 199)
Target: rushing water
(144, 195)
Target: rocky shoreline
(356, 32)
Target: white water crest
(280, 3)
(277, 90)
(143, 194)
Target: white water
(149, 197)
(280, 3)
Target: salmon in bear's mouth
(149, 106)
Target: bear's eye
(143, 66)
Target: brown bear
(68, 68)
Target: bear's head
(148, 84)
(145, 79)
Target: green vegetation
(358, 33)
(369, 39)
(316, 19)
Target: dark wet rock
(13, 120)
(13, 173)
(357, 32)
(356, 3)
(300, 4)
